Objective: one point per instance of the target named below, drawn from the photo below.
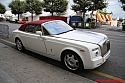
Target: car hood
(83, 36)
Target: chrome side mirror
(39, 33)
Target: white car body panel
(35, 42)
(82, 36)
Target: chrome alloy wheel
(71, 62)
(19, 45)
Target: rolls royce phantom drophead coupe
(55, 39)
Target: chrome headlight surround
(96, 52)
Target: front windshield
(57, 27)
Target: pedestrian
(118, 23)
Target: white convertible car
(55, 39)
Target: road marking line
(8, 41)
(93, 71)
(106, 75)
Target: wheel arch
(16, 39)
(72, 50)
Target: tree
(2, 8)
(82, 6)
(123, 4)
(17, 7)
(87, 5)
(57, 6)
(123, 1)
(34, 6)
(97, 4)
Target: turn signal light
(82, 51)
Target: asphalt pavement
(18, 67)
(111, 28)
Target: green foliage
(98, 4)
(57, 6)
(88, 5)
(34, 6)
(2, 8)
(17, 7)
(123, 7)
(123, 1)
(123, 4)
(82, 6)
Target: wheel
(72, 61)
(19, 45)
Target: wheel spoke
(75, 63)
(68, 57)
(19, 45)
(71, 61)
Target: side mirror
(39, 33)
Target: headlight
(95, 52)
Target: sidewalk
(17, 67)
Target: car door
(34, 41)
(53, 45)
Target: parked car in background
(56, 39)
(13, 20)
(21, 21)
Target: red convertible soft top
(33, 22)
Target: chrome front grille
(105, 47)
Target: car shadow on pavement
(45, 59)
(84, 73)
(51, 61)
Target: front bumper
(98, 61)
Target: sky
(113, 6)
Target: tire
(19, 45)
(72, 61)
